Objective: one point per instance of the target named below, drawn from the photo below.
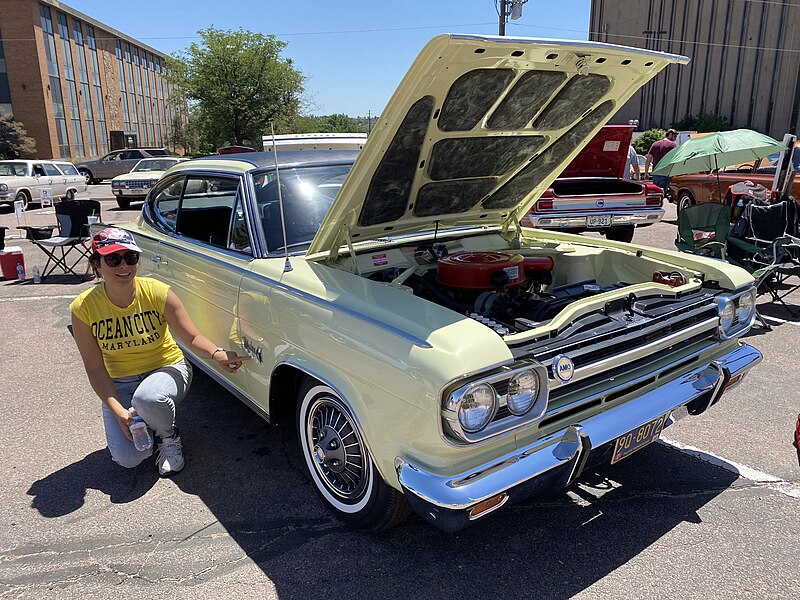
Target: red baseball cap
(113, 239)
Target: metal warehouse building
(745, 59)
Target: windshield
(308, 193)
(153, 165)
(13, 169)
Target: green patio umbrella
(716, 150)
(721, 149)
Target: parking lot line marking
(23, 298)
(764, 479)
(780, 321)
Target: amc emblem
(600, 203)
(563, 368)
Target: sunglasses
(115, 260)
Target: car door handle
(159, 260)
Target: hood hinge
(343, 237)
(514, 239)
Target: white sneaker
(170, 455)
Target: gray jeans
(153, 395)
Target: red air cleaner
(488, 270)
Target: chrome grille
(649, 337)
(139, 184)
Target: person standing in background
(632, 164)
(656, 153)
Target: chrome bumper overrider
(557, 460)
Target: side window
(206, 209)
(50, 169)
(131, 155)
(165, 203)
(112, 156)
(68, 169)
(240, 236)
(38, 170)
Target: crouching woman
(124, 331)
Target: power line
(671, 40)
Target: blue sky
(352, 52)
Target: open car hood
(477, 129)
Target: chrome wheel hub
(337, 452)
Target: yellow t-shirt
(134, 339)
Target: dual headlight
(736, 313)
(496, 403)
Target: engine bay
(510, 290)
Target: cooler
(9, 258)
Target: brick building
(745, 59)
(79, 87)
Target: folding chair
(68, 248)
(705, 230)
(763, 241)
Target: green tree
(340, 123)
(336, 123)
(704, 122)
(236, 83)
(14, 140)
(644, 141)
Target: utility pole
(369, 122)
(501, 30)
(506, 9)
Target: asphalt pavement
(710, 511)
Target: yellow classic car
(432, 354)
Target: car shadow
(547, 547)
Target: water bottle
(141, 435)
(20, 272)
(37, 276)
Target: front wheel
(339, 462)
(685, 200)
(620, 234)
(22, 196)
(70, 196)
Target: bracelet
(218, 349)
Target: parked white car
(136, 184)
(29, 180)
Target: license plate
(138, 192)
(638, 438)
(598, 221)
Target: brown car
(697, 188)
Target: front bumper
(558, 460)
(579, 219)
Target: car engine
(505, 291)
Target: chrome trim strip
(464, 490)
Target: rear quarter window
(67, 168)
